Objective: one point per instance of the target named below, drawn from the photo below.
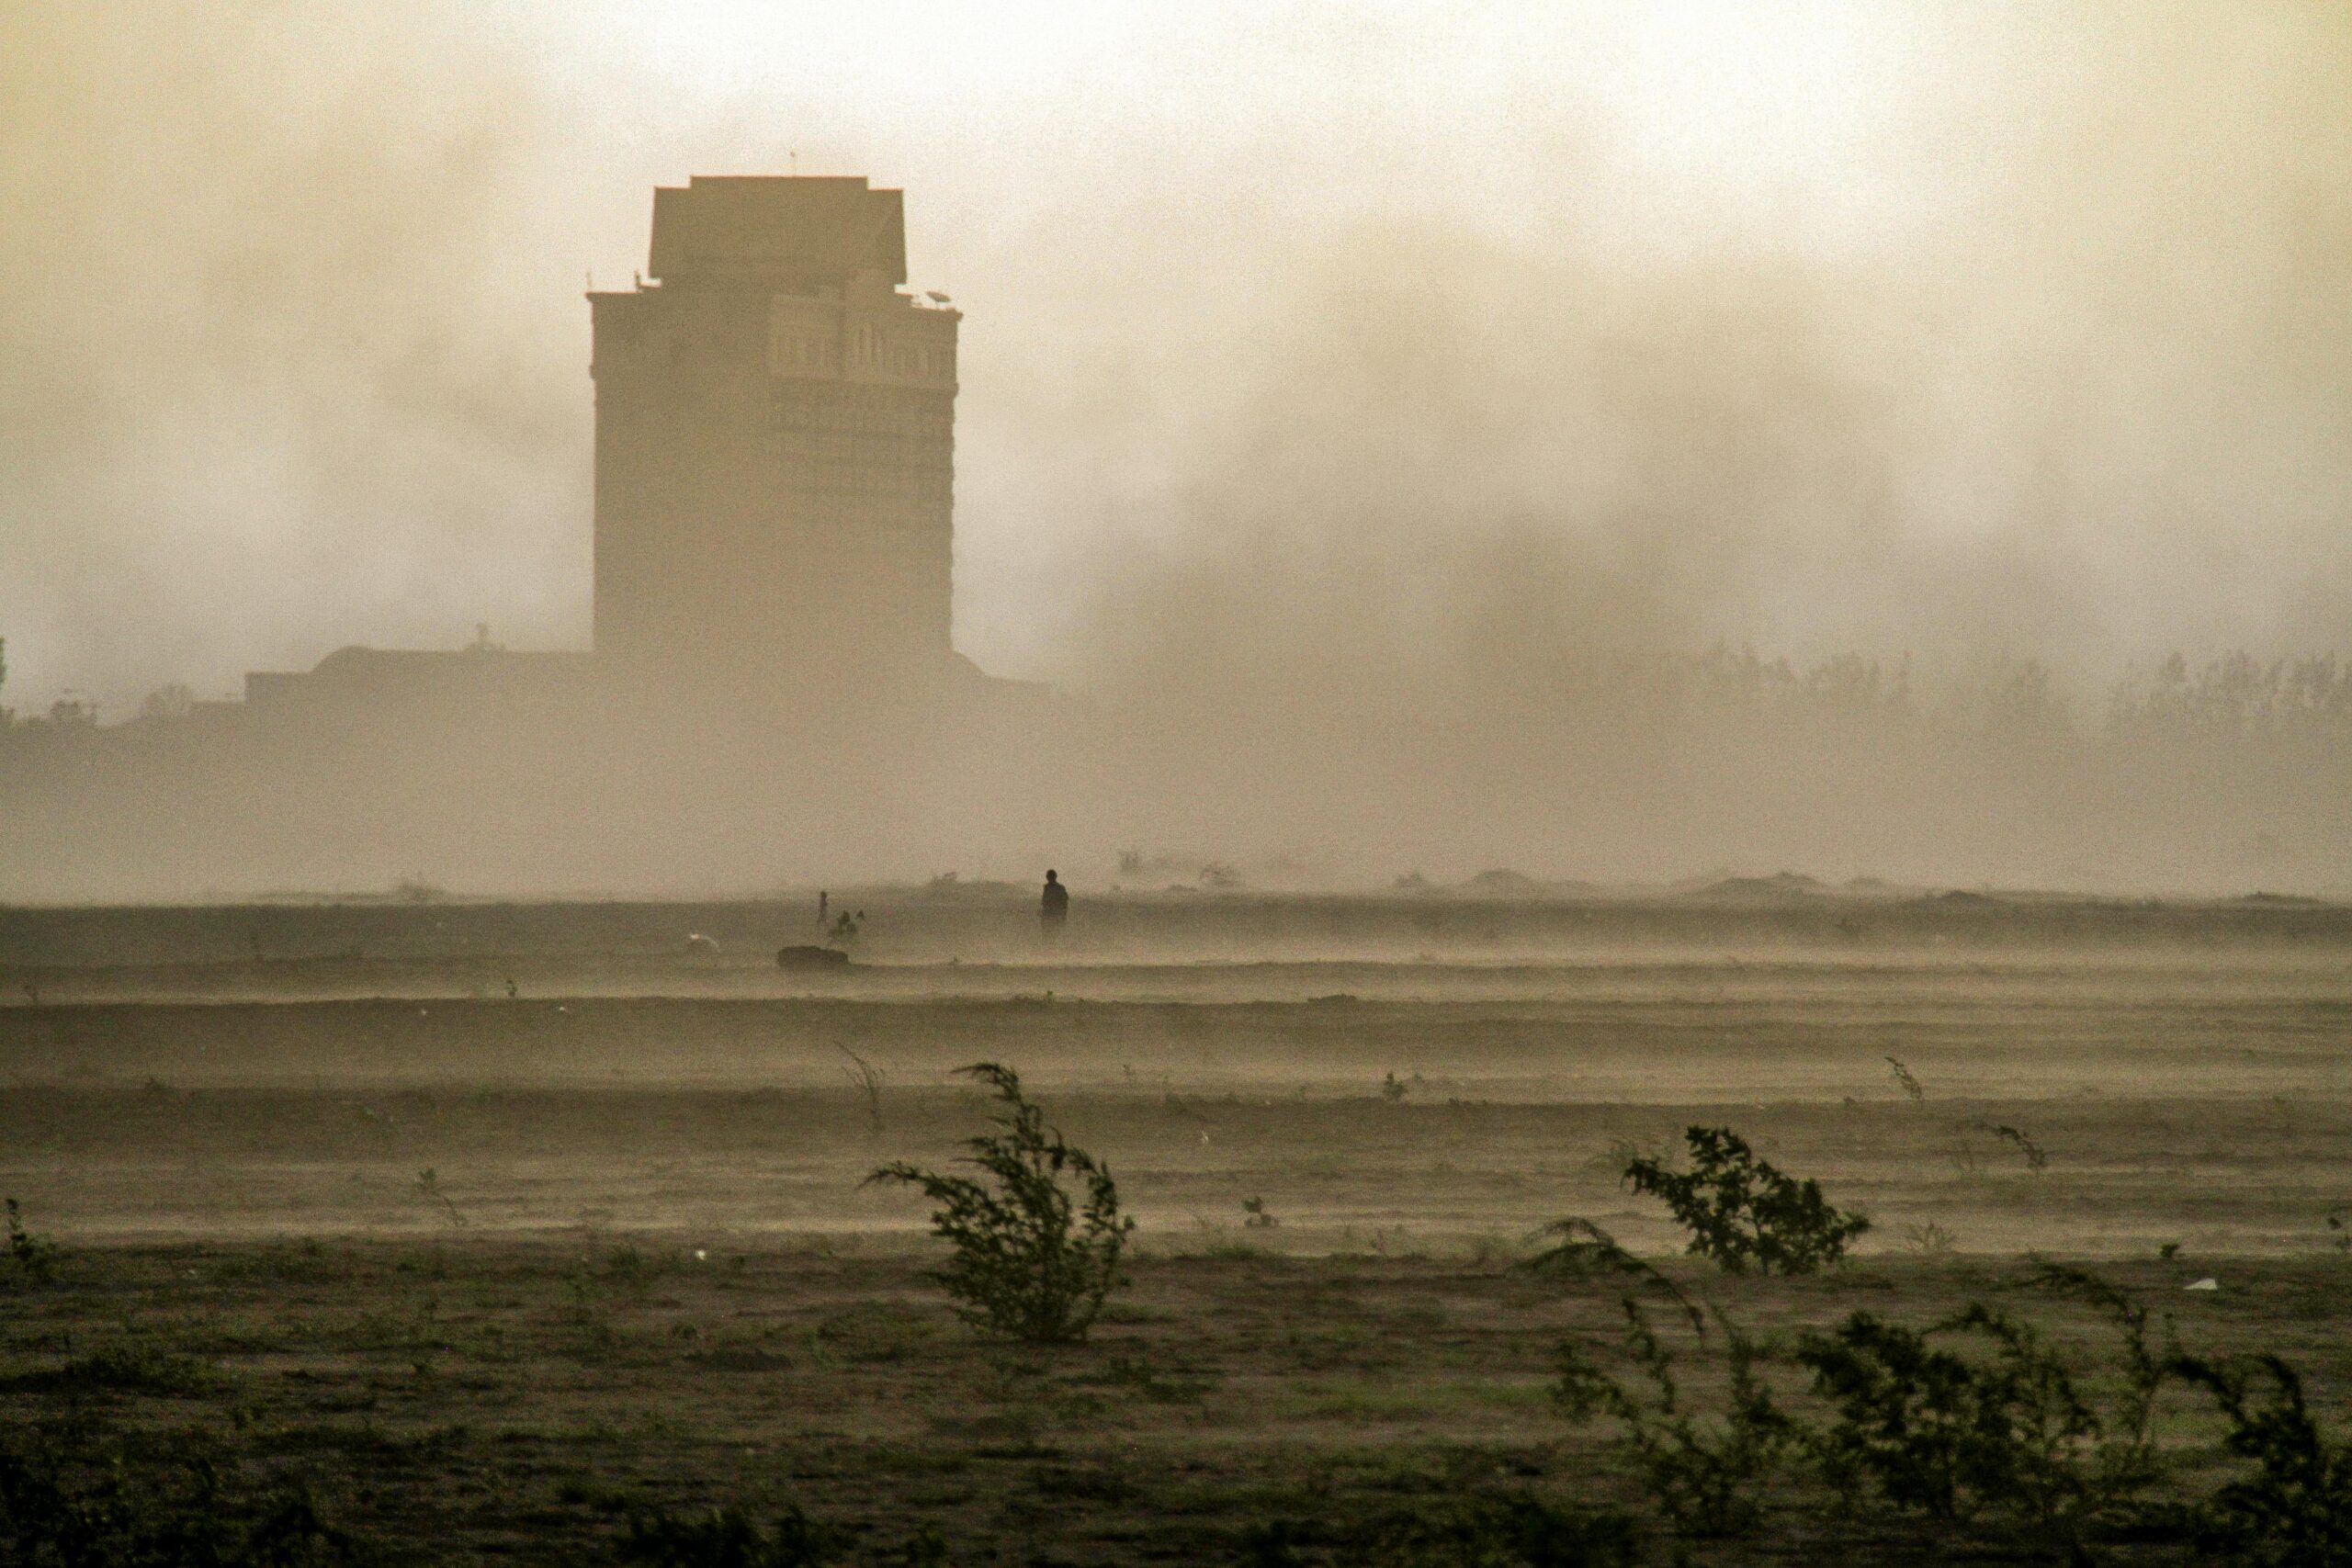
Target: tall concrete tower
(775, 444)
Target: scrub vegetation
(319, 1263)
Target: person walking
(1052, 908)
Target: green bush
(1030, 1263)
(1740, 1209)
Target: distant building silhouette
(772, 662)
(775, 468)
(775, 433)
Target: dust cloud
(1609, 445)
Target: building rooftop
(769, 225)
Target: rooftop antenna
(792, 157)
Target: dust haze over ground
(1367, 410)
(1506, 491)
(496, 1226)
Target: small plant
(2036, 1160)
(726, 1538)
(2296, 1506)
(1706, 1476)
(1740, 1209)
(429, 1187)
(1393, 1088)
(867, 1080)
(2341, 1235)
(1929, 1240)
(1913, 1089)
(35, 1257)
(1029, 1264)
(1258, 1218)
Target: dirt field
(642, 1270)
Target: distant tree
(73, 711)
(173, 701)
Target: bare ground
(642, 1270)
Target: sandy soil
(642, 1269)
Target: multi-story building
(775, 444)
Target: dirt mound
(1780, 885)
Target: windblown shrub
(1935, 1431)
(1706, 1475)
(1978, 1415)
(2295, 1507)
(1030, 1263)
(1585, 1251)
(1740, 1209)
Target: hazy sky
(1944, 328)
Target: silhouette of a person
(1054, 908)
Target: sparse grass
(1505, 1529)
(493, 1394)
(725, 1537)
(429, 1187)
(132, 1368)
(1328, 1392)
(76, 1496)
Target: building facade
(775, 444)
